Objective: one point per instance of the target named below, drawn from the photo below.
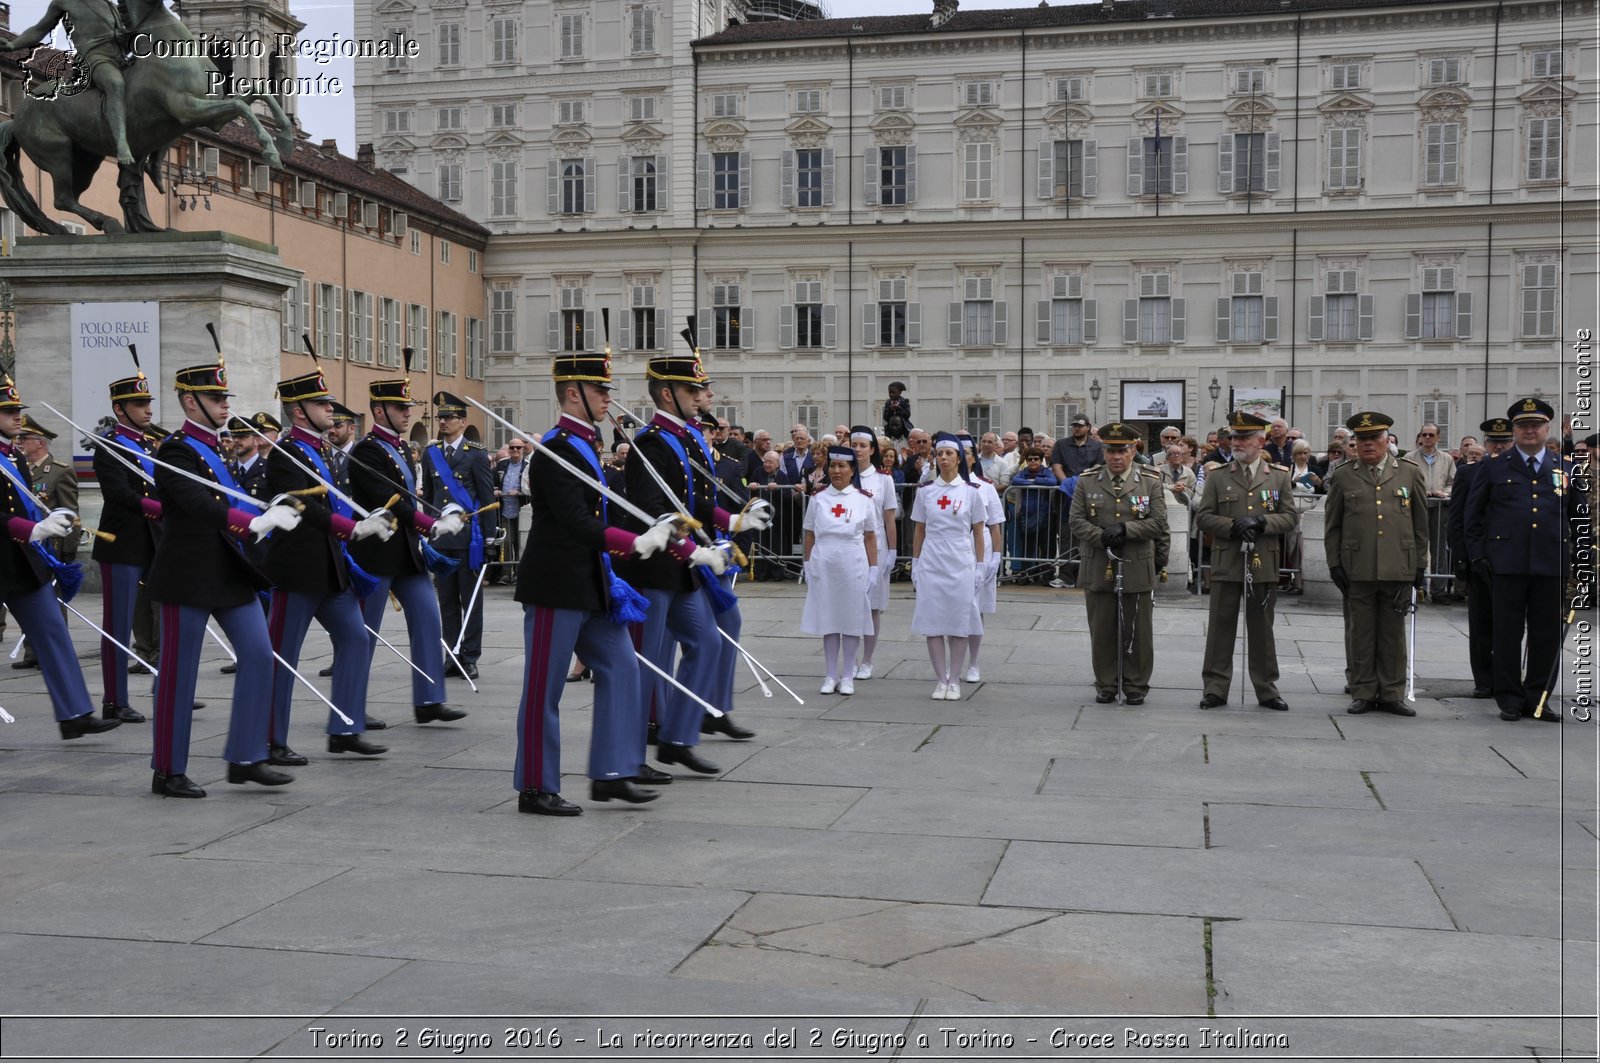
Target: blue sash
(141, 455)
(432, 560)
(220, 470)
(68, 574)
(461, 497)
(628, 606)
(361, 581)
(720, 597)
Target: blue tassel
(69, 577)
(720, 597)
(361, 581)
(628, 606)
(437, 563)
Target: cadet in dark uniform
(456, 470)
(1480, 602)
(199, 572)
(1377, 543)
(1247, 506)
(1119, 506)
(55, 485)
(27, 567)
(1517, 515)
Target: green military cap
(1496, 428)
(1243, 422)
(30, 427)
(1368, 423)
(266, 423)
(1118, 435)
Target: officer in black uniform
(1480, 603)
(455, 469)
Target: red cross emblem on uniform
(838, 509)
(944, 502)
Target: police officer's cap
(343, 414)
(1118, 436)
(1496, 428)
(1369, 423)
(239, 426)
(449, 405)
(1243, 423)
(1530, 409)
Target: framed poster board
(1265, 403)
(1152, 400)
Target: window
(444, 252)
(1065, 179)
(1547, 63)
(399, 57)
(725, 105)
(499, 434)
(472, 261)
(571, 30)
(417, 332)
(450, 118)
(416, 242)
(1439, 311)
(1157, 166)
(891, 97)
(388, 333)
(503, 34)
(642, 176)
(1344, 160)
(1437, 412)
(296, 314)
(1156, 85)
(1344, 77)
(1154, 308)
(569, 112)
(1247, 317)
(887, 324)
(573, 321)
(1251, 81)
(503, 320)
(1069, 90)
(979, 418)
(807, 314)
(1444, 71)
(808, 101)
(810, 415)
(725, 192)
(726, 323)
(1243, 160)
(502, 115)
(1066, 318)
(502, 188)
(977, 172)
(1061, 417)
(450, 182)
(978, 93)
(808, 177)
(1539, 300)
(573, 185)
(1338, 411)
(1342, 316)
(330, 321)
(896, 174)
(641, 108)
(1544, 149)
(1441, 154)
(641, 333)
(359, 328)
(446, 346)
(642, 31)
(475, 359)
(449, 37)
(397, 121)
(977, 318)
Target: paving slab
(1079, 776)
(1533, 900)
(1040, 817)
(1519, 837)
(915, 771)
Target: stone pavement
(1109, 881)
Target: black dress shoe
(543, 804)
(258, 773)
(326, 672)
(121, 713)
(452, 670)
(1550, 715)
(1482, 692)
(199, 705)
(175, 786)
(1105, 697)
(1395, 708)
(24, 664)
(135, 668)
(1212, 701)
(1359, 706)
(375, 724)
(1347, 688)
(620, 790)
(87, 724)
(651, 777)
(229, 669)
(284, 757)
(471, 669)
(355, 744)
(1276, 703)
(1133, 699)
(434, 713)
(578, 677)
(1510, 715)
(724, 725)
(669, 753)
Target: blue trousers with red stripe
(682, 619)
(39, 615)
(183, 630)
(731, 624)
(616, 745)
(121, 592)
(416, 597)
(339, 615)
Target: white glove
(379, 522)
(451, 520)
(805, 572)
(658, 538)
(913, 573)
(991, 566)
(715, 560)
(886, 560)
(875, 576)
(979, 576)
(275, 518)
(55, 526)
(756, 518)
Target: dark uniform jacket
(1517, 520)
(561, 566)
(469, 463)
(1141, 508)
(1231, 492)
(309, 559)
(662, 571)
(21, 567)
(1456, 521)
(1377, 531)
(375, 478)
(127, 511)
(198, 561)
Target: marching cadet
(729, 620)
(27, 569)
(1119, 508)
(456, 470)
(571, 600)
(56, 486)
(1377, 543)
(380, 467)
(1247, 505)
(1480, 602)
(1518, 512)
(199, 572)
(313, 577)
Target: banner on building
(1152, 400)
(100, 334)
(1266, 403)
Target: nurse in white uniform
(841, 553)
(880, 486)
(949, 518)
(989, 566)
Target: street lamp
(1094, 395)
(1214, 390)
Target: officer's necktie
(1533, 466)
(1116, 485)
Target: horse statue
(68, 136)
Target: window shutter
(1274, 161)
(1180, 165)
(1224, 320)
(702, 181)
(1002, 323)
(553, 331)
(552, 186)
(1042, 332)
(747, 327)
(1364, 316)
(786, 326)
(338, 323)
(1135, 166)
(663, 182)
(869, 324)
(624, 185)
(704, 336)
(869, 175)
(1269, 319)
(591, 328)
(1091, 168)
(661, 330)
(911, 173)
(786, 182)
(1463, 315)
(591, 182)
(1130, 321)
(746, 193)
(953, 331)
(1047, 169)
(625, 330)
(1091, 325)
(913, 324)
(1177, 321)
(830, 325)
(1225, 163)
(1314, 315)
(1414, 315)
(827, 177)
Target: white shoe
(864, 671)
(952, 692)
(846, 686)
(829, 685)
(939, 692)
(972, 674)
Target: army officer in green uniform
(1248, 507)
(1377, 541)
(1119, 507)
